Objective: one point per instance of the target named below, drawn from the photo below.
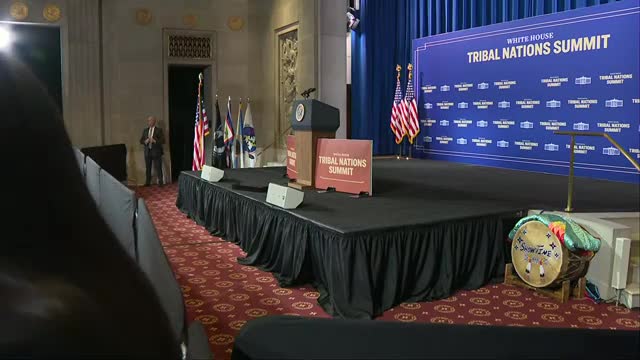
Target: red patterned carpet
(224, 295)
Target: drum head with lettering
(537, 254)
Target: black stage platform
(431, 227)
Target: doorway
(183, 95)
(38, 48)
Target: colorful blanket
(573, 236)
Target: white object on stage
(621, 263)
(284, 196)
(211, 173)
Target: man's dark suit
(153, 153)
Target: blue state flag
(249, 137)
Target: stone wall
(114, 68)
(135, 67)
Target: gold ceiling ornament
(235, 23)
(143, 16)
(19, 10)
(190, 20)
(51, 13)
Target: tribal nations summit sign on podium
(342, 165)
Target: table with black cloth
(430, 228)
(287, 337)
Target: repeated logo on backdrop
(495, 95)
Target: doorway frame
(168, 61)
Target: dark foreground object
(430, 228)
(283, 337)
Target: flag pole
(200, 125)
(227, 148)
(213, 138)
(240, 155)
(410, 76)
(398, 69)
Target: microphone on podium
(305, 94)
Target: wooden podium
(311, 120)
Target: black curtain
(183, 94)
(38, 47)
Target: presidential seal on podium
(300, 112)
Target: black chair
(118, 206)
(284, 337)
(92, 178)
(154, 263)
(80, 158)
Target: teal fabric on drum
(576, 238)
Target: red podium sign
(344, 165)
(292, 172)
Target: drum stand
(562, 293)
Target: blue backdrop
(495, 95)
(383, 39)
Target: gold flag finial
(398, 68)
(410, 69)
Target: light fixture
(352, 20)
(6, 38)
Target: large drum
(541, 260)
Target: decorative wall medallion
(51, 13)
(143, 16)
(190, 20)
(235, 23)
(19, 10)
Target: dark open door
(183, 95)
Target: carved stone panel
(287, 64)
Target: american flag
(201, 128)
(205, 120)
(410, 118)
(397, 115)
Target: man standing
(152, 138)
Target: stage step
(630, 296)
(633, 276)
